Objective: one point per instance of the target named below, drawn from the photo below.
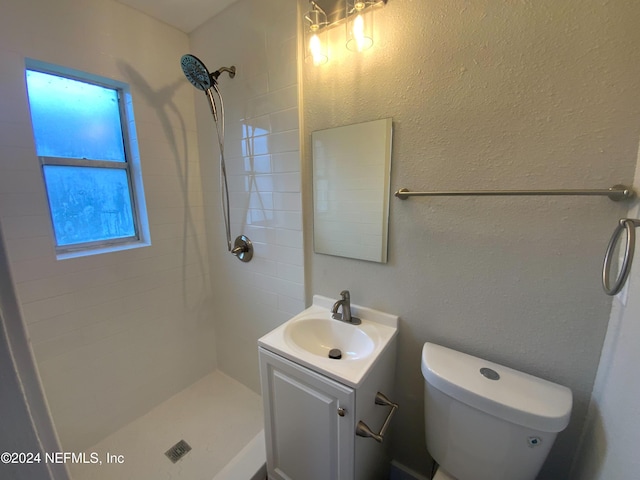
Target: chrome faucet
(345, 303)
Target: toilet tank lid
(516, 397)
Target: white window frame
(131, 164)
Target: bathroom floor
(216, 416)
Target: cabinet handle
(363, 430)
(341, 411)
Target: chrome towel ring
(629, 225)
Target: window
(89, 164)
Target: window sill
(101, 250)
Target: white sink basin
(320, 335)
(308, 337)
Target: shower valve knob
(243, 248)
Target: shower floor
(218, 417)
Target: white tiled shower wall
(117, 333)
(263, 163)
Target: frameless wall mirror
(351, 168)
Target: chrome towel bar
(629, 225)
(615, 193)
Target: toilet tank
(484, 421)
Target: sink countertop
(380, 327)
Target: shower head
(198, 74)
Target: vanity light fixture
(315, 41)
(357, 15)
(359, 25)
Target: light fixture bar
(310, 14)
(335, 9)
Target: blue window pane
(89, 204)
(74, 119)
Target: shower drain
(178, 451)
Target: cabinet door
(307, 438)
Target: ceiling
(186, 15)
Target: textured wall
(490, 95)
(263, 165)
(612, 430)
(117, 333)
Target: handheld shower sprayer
(199, 76)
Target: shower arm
(230, 70)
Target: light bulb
(360, 39)
(315, 21)
(315, 49)
(358, 33)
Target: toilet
(484, 421)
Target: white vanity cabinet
(309, 422)
(325, 417)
